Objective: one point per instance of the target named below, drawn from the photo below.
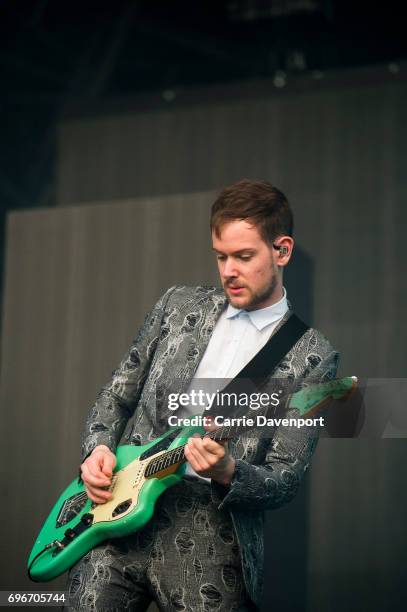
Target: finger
(213, 447)
(109, 463)
(195, 459)
(98, 496)
(206, 449)
(94, 475)
(90, 477)
(207, 458)
(96, 464)
(211, 451)
(103, 458)
(100, 493)
(91, 496)
(214, 453)
(94, 498)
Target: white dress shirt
(237, 337)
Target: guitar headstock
(310, 399)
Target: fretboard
(177, 455)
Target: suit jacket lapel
(211, 307)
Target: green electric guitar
(76, 524)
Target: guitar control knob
(87, 519)
(69, 534)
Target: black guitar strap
(275, 349)
(268, 357)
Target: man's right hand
(97, 472)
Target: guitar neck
(176, 456)
(307, 401)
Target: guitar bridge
(71, 508)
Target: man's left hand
(210, 459)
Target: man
(203, 550)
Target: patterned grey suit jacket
(164, 355)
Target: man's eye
(220, 257)
(245, 257)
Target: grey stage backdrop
(79, 280)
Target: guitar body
(75, 524)
(131, 507)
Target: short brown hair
(260, 203)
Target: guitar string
(176, 455)
(155, 464)
(153, 467)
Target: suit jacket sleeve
(117, 400)
(275, 482)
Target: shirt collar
(263, 316)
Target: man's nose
(229, 268)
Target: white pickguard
(126, 485)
